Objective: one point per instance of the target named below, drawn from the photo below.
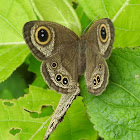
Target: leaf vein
(125, 29)
(41, 127)
(105, 8)
(119, 106)
(13, 43)
(11, 25)
(36, 10)
(132, 94)
(59, 13)
(74, 14)
(12, 59)
(120, 10)
(124, 127)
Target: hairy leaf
(116, 113)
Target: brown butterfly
(65, 57)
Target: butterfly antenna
(90, 24)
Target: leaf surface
(123, 13)
(13, 16)
(19, 119)
(13, 51)
(11, 56)
(116, 112)
(59, 12)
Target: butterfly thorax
(81, 56)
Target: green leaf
(76, 124)
(11, 56)
(116, 112)
(25, 119)
(9, 88)
(59, 12)
(14, 14)
(13, 51)
(18, 114)
(34, 66)
(124, 14)
(84, 19)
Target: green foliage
(13, 51)
(34, 66)
(19, 115)
(9, 87)
(115, 114)
(76, 125)
(57, 11)
(124, 15)
(26, 115)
